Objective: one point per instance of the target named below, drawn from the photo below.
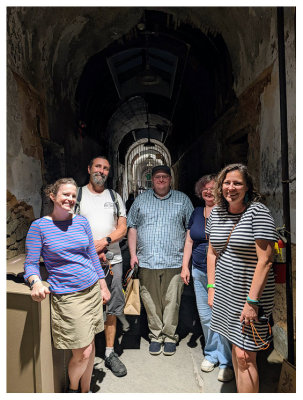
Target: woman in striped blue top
(240, 278)
(75, 277)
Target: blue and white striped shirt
(161, 225)
(68, 252)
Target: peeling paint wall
(257, 115)
(24, 151)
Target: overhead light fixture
(141, 26)
(148, 77)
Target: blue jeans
(217, 348)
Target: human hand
(100, 245)
(102, 257)
(133, 260)
(39, 292)
(185, 274)
(249, 314)
(104, 290)
(211, 295)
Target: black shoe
(169, 348)
(71, 391)
(155, 348)
(113, 363)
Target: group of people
(226, 247)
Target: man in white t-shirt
(108, 229)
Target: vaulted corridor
(192, 87)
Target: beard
(99, 179)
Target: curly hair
(252, 194)
(204, 180)
(54, 187)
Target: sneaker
(155, 348)
(225, 374)
(113, 363)
(207, 366)
(169, 348)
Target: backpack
(113, 195)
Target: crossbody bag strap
(79, 197)
(115, 200)
(231, 233)
(228, 238)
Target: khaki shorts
(77, 317)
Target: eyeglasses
(211, 190)
(164, 177)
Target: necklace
(205, 219)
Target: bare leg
(247, 371)
(87, 376)
(78, 364)
(111, 358)
(235, 363)
(110, 330)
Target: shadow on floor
(269, 372)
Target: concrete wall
(24, 151)
(256, 115)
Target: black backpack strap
(113, 195)
(77, 205)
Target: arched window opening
(140, 160)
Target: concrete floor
(179, 373)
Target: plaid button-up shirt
(161, 225)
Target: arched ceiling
(91, 60)
(64, 38)
(182, 76)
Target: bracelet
(252, 302)
(33, 282)
(211, 285)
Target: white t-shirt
(101, 213)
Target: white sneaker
(207, 366)
(225, 374)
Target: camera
(262, 317)
(109, 255)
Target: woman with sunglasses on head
(217, 349)
(76, 280)
(240, 278)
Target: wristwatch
(31, 285)
(108, 239)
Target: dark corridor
(158, 83)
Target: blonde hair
(54, 187)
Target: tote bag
(132, 296)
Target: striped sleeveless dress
(235, 268)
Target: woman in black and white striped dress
(240, 278)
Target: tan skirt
(77, 317)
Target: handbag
(132, 295)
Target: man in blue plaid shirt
(157, 224)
